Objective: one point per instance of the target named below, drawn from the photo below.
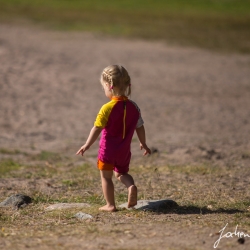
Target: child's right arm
(142, 138)
(93, 135)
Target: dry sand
(50, 91)
(190, 99)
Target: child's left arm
(93, 135)
(142, 138)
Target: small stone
(241, 240)
(83, 216)
(16, 201)
(60, 206)
(154, 150)
(151, 205)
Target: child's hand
(147, 150)
(93, 135)
(82, 150)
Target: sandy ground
(195, 103)
(50, 91)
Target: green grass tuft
(69, 183)
(10, 151)
(47, 156)
(7, 166)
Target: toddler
(117, 120)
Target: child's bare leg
(128, 181)
(108, 191)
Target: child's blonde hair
(118, 79)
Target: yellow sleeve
(103, 115)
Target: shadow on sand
(170, 207)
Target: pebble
(83, 216)
(241, 240)
(60, 206)
(16, 201)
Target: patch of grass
(82, 169)
(35, 171)
(220, 25)
(47, 156)
(38, 198)
(190, 169)
(92, 229)
(241, 204)
(69, 183)
(205, 198)
(7, 166)
(3, 218)
(94, 199)
(121, 198)
(10, 151)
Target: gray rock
(16, 201)
(60, 206)
(151, 205)
(83, 216)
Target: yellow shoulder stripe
(103, 115)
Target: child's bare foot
(132, 196)
(108, 208)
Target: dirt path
(50, 92)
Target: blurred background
(188, 60)
(213, 24)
